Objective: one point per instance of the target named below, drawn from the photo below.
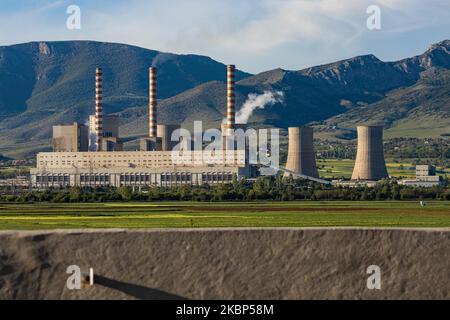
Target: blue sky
(256, 35)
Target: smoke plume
(257, 101)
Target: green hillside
(48, 83)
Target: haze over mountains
(47, 83)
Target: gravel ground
(272, 263)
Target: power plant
(301, 158)
(93, 156)
(106, 164)
(370, 164)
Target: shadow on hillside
(137, 291)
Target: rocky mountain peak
(44, 48)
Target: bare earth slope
(228, 263)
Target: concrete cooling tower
(370, 163)
(301, 158)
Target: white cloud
(256, 35)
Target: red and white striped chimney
(231, 98)
(98, 107)
(153, 123)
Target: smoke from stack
(153, 126)
(258, 101)
(231, 98)
(98, 107)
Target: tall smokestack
(98, 107)
(231, 98)
(370, 164)
(153, 127)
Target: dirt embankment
(227, 263)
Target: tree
(75, 194)
(125, 192)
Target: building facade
(70, 138)
(425, 177)
(109, 141)
(137, 168)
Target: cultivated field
(334, 168)
(201, 215)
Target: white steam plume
(257, 101)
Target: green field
(19, 170)
(197, 215)
(334, 168)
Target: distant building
(425, 171)
(425, 177)
(21, 182)
(354, 183)
(70, 138)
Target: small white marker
(91, 276)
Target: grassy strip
(263, 214)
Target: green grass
(199, 215)
(429, 126)
(334, 168)
(18, 170)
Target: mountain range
(47, 83)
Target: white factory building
(101, 161)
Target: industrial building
(110, 134)
(106, 164)
(70, 138)
(425, 177)
(370, 163)
(133, 168)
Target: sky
(256, 35)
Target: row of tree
(264, 188)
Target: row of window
(94, 178)
(164, 177)
(217, 177)
(52, 179)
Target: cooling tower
(98, 108)
(231, 98)
(152, 128)
(301, 158)
(370, 163)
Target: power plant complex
(93, 155)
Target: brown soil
(288, 263)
